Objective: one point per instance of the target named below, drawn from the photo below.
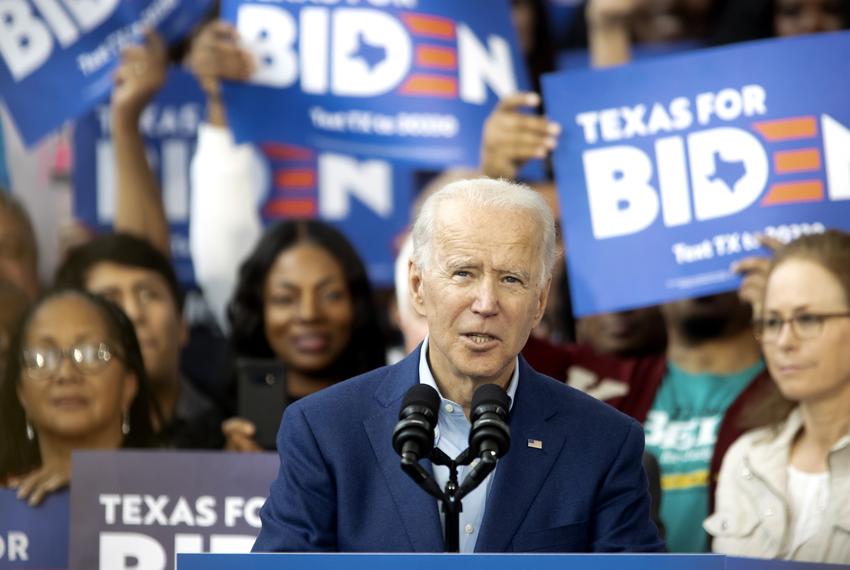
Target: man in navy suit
(572, 480)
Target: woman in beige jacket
(783, 489)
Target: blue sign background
(58, 90)
(45, 528)
(285, 112)
(803, 77)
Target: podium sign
(485, 562)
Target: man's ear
(416, 287)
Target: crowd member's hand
(610, 12)
(139, 77)
(36, 485)
(239, 435)
(216, 54)
(511, 137)
(754, 271)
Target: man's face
(145, 298)
(480, 292)
(706, 318)
(17, 254)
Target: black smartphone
(262, 396)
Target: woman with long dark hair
(303, 297)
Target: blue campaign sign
(667, 170)
(169, 125)
(57, 56)
(33, 537)
(137, 509)
(366, 199)
(405, 80)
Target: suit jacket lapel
(521, 473)
(416, 509)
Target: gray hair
(486, 193)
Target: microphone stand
(453, 493)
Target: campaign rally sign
(169, 126)
(57, 56)
(405, 80)
(667, 170)
(136, 509)
(366, 199)
(33, 537)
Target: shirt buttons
(746, 473)
(768, 512)
(469, 529)
(449, 408)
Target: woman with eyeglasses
(783, 489)
(75, 380)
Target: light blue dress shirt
(452, 436)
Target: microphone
(490, 434)
(413, 436)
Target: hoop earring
(125, 424)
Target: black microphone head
(489, 415)
(421, 395)
(414, 432)
(490, 396)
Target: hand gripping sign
(668, 170)
(407, 80)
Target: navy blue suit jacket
(340, 486)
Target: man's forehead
(109, 274)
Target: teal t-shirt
(681, 430)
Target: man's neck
(167, 393)
(723, 355)
(460, 389)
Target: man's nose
(486, 302)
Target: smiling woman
(303, 298)
(782, 488)
(75, 380)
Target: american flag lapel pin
(535, 444)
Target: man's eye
(773, 323)
(461, 273)
(512, 280)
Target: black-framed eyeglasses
(805, 326)
(89, 357)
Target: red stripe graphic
(791, 161)
(430, 86)
(788, 129)
(287, 152)
(295, 178)
(431, 26)
(793, 192)
(303, 208)
(436, 56)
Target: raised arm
(139, 207)
(608, 32)
(228, 180)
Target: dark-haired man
(133, 274)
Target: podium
(321, 561)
